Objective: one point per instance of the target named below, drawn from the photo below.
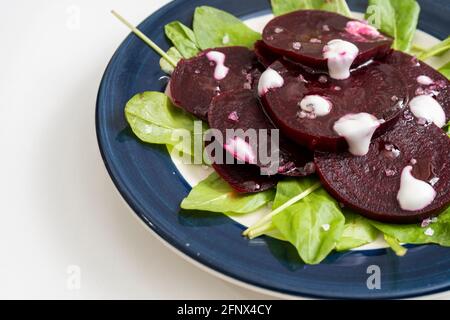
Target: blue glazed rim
(151, 185)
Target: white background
(58, 205)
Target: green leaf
(215, 195)
(357, 232)
(395, 246)
(445, 70)
(447, 128)
(280, 7)
(216, 28)
(396, 18)
(154, 119)
(313, 225)
(183, 38)
(175, 55)
(436, 50)
(415, 234)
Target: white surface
(59, 207)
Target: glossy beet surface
(377, 89)
(193, 85)
(369, 184)
(302, 36)
(241, 111)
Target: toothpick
(146, 39)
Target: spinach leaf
(436, 50)
(216, 28)
(313, 225)
(183, 38)
(395, 246)
(215, 195)
(447, 128)
(175, 55)
(437, 232)
(154, 119)
(396, 18)
(280, 7)
(445, 70)
(357, 232)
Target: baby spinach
(436, 50)
(280, 7)
(395, 245)
(183, 38)
(396, 18)
(154, 119)
(216, 28)
(436, 232)
(445, 70)
(357, 232)
(313, 225)
(215, 195)
(175, 55)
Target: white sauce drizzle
(425, 80)
(316, 105)
(426, 107)
(340, 55)
(269, 79)
(221, 70)
(357, 129)
(414, 194)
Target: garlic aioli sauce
(426, 107)
(315, 106)
(340, 55)
(357, 129)
(414, 194)
(269, 79)
(221, 71)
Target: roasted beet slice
(377, 89)
(197, 80)
(265, 56)
(370, 184)
(421, 79)
(245, 178)
(302, 36)
(241, 110)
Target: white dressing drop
(425, 80)
(426, 107)
(357, 129)
(269, 79)
(315, 105)
(218, 58)
(340, 55)
(414, 194)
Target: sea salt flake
(326, 227)
(278, 30)
(296, 45)
(429, 232)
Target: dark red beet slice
(302, 35)
(412, 69)
(245, 178)
(265, 56)
(193, 85)
(369, 184)
(241, 109)
(377, 89)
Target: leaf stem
(146, 39)
(255, 233)
(268, 218)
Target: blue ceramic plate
(152, 186)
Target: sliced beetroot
(265, 56)
(377, 89)
(370, 184)
(241, 110)
(194, 82)
(302, 36)
(421, 79)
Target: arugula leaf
(357, 232)
(396, 18)
(154, 119)
(215, 195)
(445, 70)
(216, 28)
(313, 225)
(436, 50)
(280, 7)
(415, 234)
(175, 55)
(183, 38)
